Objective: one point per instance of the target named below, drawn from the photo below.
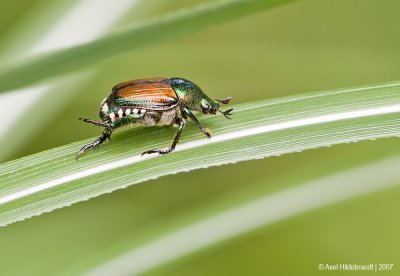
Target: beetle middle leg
(181, 123)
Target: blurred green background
(299, 47)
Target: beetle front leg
(191, 116)
(181, 124)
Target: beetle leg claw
(83, 149)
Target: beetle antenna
(225, 100)
(227, 113)
(94, 122)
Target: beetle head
(209, 106)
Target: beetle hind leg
(181, 124)
(95, 144)
(104, 136)
(97, 123)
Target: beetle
(154, 101)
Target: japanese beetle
(154, 102)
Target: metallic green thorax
(154, 102)
(192, 96)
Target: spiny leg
(97, 123)
(181, 123)
(106, 134)
(191, 116)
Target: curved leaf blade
(173, 25)
(260, 212)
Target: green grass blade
(170, 26)
(53, 179)
(239, 219)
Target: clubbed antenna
(225, 100)
(227, 113)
